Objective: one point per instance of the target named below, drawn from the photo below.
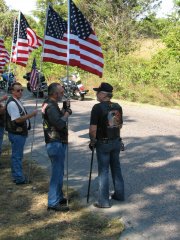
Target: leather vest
(109, 121)
(51, 133)
(12, 126)
(2, 120)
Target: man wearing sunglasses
(17, 125)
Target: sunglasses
(19, 90)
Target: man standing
(105, 124)
(17, 125)
(56, 138)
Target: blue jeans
(56, 152)
(17, 145)
(108, 156)
(1, 138)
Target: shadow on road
(150, 166)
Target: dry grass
(148, 48)
(24, 215)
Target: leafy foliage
(6, 18)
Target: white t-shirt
(13, 110)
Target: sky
(26, 6)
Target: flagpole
(68, 43)
(33, 134)
(38, 85)
(13, 38)
(68, 35)
(19, 16)
(67, 75)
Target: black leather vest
(2, 120)
(12, 126)
(51, 133)
(110, 120)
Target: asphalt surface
(150, 166)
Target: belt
(107, 140)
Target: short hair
(109, 95)
(14, 84)
(52, 88)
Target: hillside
(147, 47)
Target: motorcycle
(42, 86)
(73, 87)
(7, 80)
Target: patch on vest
(114, 118)
(19, 129)
(44, 107)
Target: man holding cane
(56, 138)
(105, 124)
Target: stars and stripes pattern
(13, 47)
(25, 41)
(55, 42)
(84, 49)
(34, 76)
(4, 55)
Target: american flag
(55, 42)
(15, 33)
(4, 55)
(34, 76)
(25, 41)
(84, 49)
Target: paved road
(150, 166)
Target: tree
(6, 18)
(153, 27)
(41, 5)
(115, 22)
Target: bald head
(55, 91)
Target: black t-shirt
(108, 117)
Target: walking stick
(89, 185)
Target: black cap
(104, 87)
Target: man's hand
(66, 105)
(92, 143)
(68, 110)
